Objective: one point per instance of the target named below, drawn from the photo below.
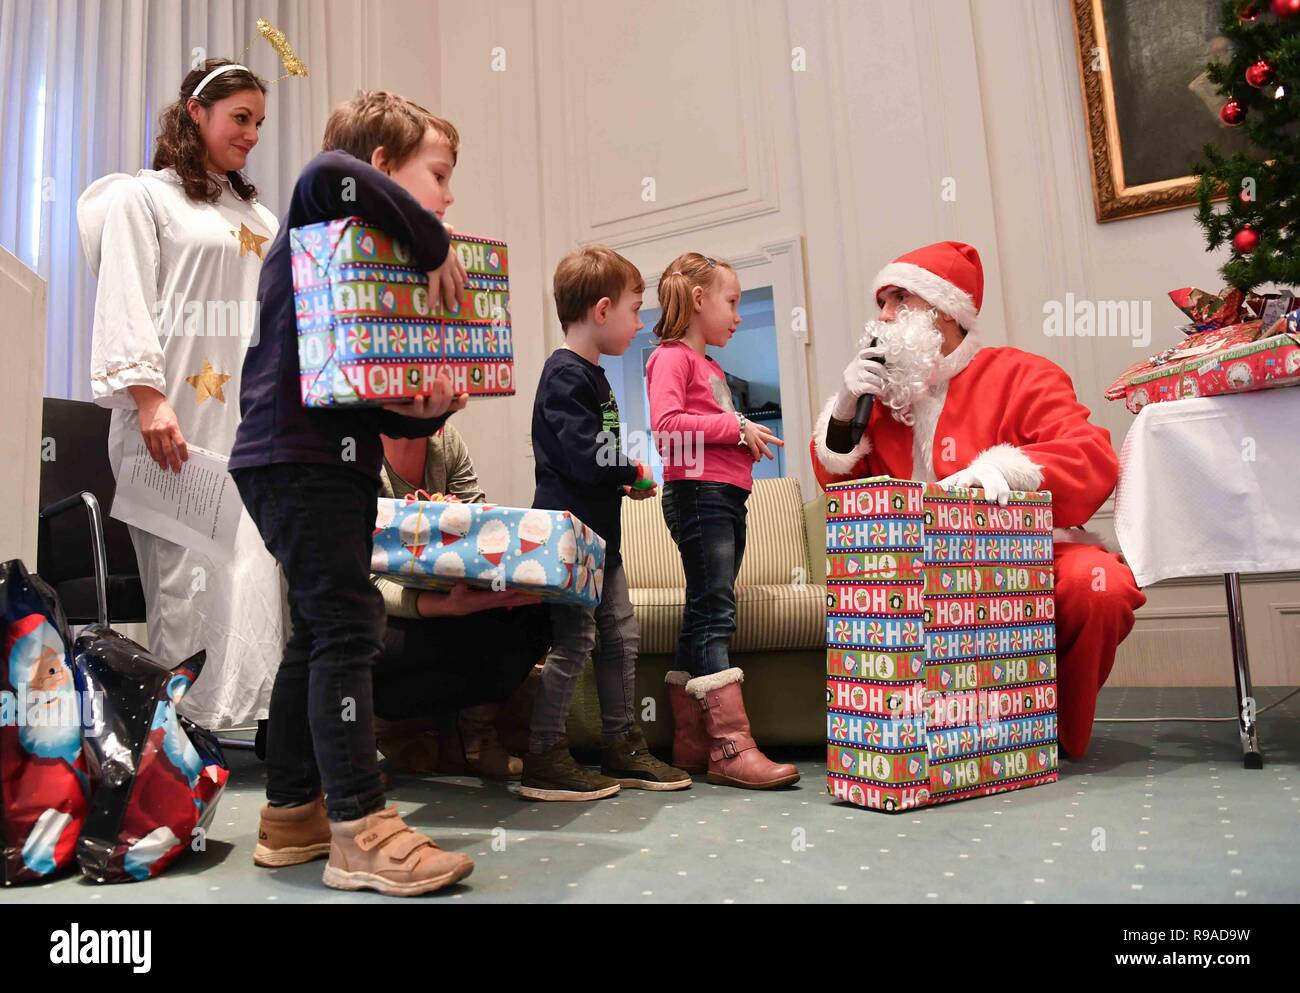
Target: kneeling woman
(450, 659)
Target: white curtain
(82, 83)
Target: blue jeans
(318, 522)
(574, 630)
(707, 521)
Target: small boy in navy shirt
(310, 481)
(581, 468)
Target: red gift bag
(44, 789)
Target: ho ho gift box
(940, 643)
(434, 545)
(367, 334)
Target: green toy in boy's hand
(644, 484)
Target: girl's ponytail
(676, 293)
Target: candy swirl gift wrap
(941, 643)
(367, 332)
(434, 545)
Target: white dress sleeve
(125, 346)
(268, 218)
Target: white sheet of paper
(198, 507)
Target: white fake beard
(912, 345)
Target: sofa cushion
(769, 617)
(776, 551)
(775, 544)
(650, 557)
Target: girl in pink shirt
(708, 450)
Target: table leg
(1252, 757)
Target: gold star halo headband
(293, 66)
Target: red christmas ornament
(1251, 13)
(1245, 241)
(1232, 112)
(1260, 74)
(1284, 8)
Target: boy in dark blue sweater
(581, 468)
(310, 480)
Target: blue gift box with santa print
(433, 545)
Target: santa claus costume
(983, 413)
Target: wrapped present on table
(1236, 343)
(940, 643)
(434, 545)
(367, 334)
(1236, 359)
(1209, 311)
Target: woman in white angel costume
(177, 250)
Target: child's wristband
(741, 418)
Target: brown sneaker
(292, 835)
(555, 775)
(379, 852)
(630, 763)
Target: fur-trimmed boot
(734, 758)
(690, 743)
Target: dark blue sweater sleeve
(570, 406)
(399, 426)
(336, 184)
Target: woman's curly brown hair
(180, 145)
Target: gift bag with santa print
(158, 776)
(432, 544)
(44, 789)
(941, 643)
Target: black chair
(75, 472)
(97, 581)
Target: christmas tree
(1260, 85)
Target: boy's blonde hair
(676, 303)
(583, 278)
(375, 117)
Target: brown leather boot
(412, 746)
(690, 744)
(515, 716)
(734, 758)
(484, 754)
(292, 835)
(379, 852)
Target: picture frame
(1149, 108)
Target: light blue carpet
(1155, 813)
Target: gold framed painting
(1149, 106)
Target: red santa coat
(1018, 412)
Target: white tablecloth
(1211, 485)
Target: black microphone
(863, 412)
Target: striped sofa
(780, 638)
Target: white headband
(214, 74)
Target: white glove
(864, 376)
(987, 477)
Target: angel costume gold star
(249, 241)
(207, 383)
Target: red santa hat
(947, 275)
